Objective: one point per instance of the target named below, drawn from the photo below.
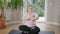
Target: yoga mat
(41, 32)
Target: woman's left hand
(33, 18)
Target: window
(38, 6)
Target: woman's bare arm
(35, 18)
(25, 17)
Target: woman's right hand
(27, 18)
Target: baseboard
(53, 23)
(46, 22)
(13, 22)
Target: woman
(30, 21)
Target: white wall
(8, 14)
(13, 16)
(50, 10)
(53, 11)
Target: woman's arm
(25, 17)
(35, 17)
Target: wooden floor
(42, 26)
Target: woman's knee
(24, 28)
(36, 29)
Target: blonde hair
(29, 6)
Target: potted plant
(4, 4)
(2, 16)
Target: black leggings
(24, 29)
(35, 30)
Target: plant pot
(2, 23)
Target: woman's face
(30, 9)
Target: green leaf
(15, 3)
